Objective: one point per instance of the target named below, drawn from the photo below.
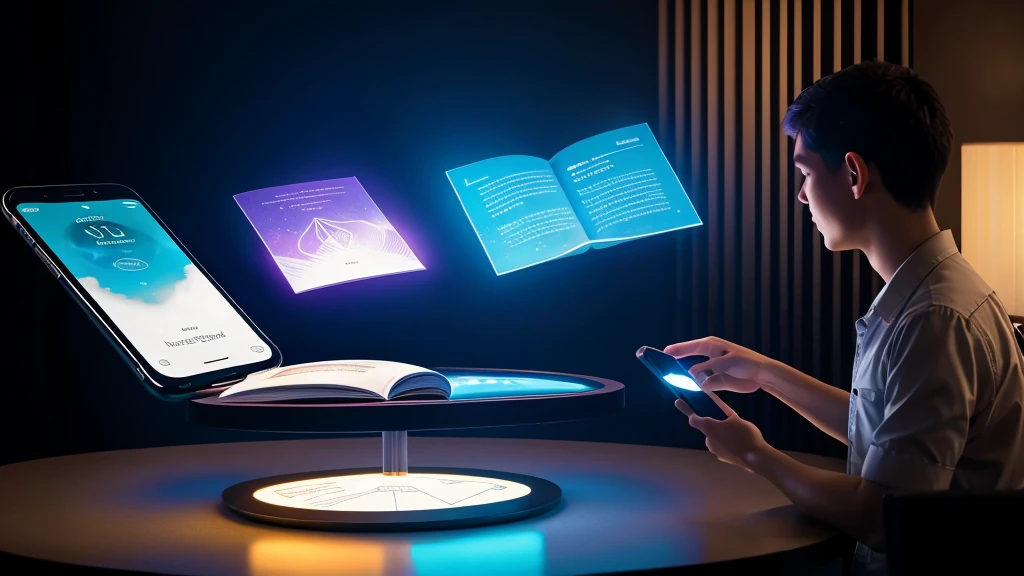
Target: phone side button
(142, 375)
(46, 260)
(24, 234)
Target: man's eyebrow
(800, 159)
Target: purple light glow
(326, 232)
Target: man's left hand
(731, 440)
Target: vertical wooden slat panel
(785, 193)
(798, 208)
(680, 155)
(729, 149)
(857, 255)
(838, 327)
(696, 150)
(816, 287)
(876, 280)
(748, 207)
(880, 27)
(678, 110)
(837, 35)
(663, 87)
(857, 32)
(909, 33)
(905, 33)
(663, 70)
(714, 141)
(816, 40)
(766, 341)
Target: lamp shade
(992, 212)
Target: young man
(938, 386)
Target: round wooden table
(624, 508)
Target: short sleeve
(935, 359)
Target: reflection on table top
(624, 507)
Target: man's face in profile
(829, 196)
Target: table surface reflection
(624, 507)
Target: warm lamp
(992, 202)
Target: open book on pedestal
(341, 380)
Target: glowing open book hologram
(380, 493)
(326, 232)
(598, 192)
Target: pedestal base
(422, 498)
(366, 499)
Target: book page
(376, 376)
(518, 210)
(621, 186)
(326, 232)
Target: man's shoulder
(955, 302)
(953, 287)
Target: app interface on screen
(167, 308)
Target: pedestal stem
(396, 449)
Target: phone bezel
(164, 387)
(697, 401)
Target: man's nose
(801, 196)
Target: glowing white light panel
(682, 381)
(380, 493)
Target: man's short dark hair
(888, 115)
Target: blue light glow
(469, 387)
(512, 552)
(682, 381)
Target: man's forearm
(825, 406)
(847, 502)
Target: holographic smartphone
(675, 375)
(177, 329)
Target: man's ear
(858, 174)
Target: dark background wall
(190, 103)
(973, 53)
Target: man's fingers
(720, 381)
(715, 365)
(698, 423)
(708, 346)
(684, 407)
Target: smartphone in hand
(674, 374)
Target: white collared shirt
(937, 400)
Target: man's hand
(730, 367)
(849, 502)
(737, 369)
(732, 440)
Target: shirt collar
(911, 273)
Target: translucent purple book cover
(326, 232)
